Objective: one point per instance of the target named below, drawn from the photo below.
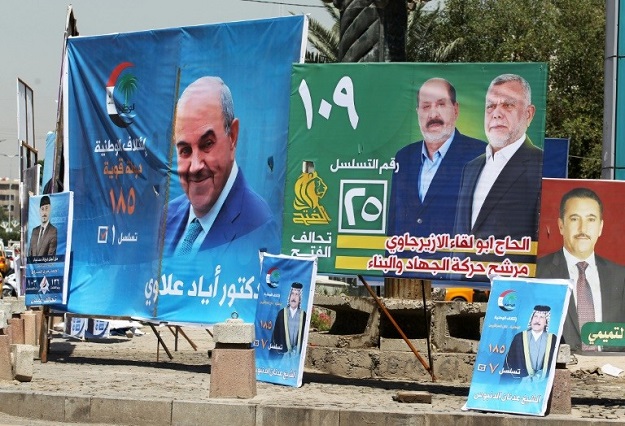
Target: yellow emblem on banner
(309, 189)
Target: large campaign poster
(389, 171)
(176, 151)
(516, 358)
(48, 249)
(579, 239)
(283, 317)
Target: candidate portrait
(424, 190)
(43, 239)
(500, 190)
(218, 205)
(599, 284)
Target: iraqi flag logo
(119, 91)
(273, 276)
(507, 300)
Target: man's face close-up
(294, 299)
(44, 213)
(437, 114)
(539, 321)
(507, 115)
(205, 152)
(581, 226)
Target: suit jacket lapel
(513, 170)
(223, 229)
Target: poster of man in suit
(578, 237)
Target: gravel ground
(137, 368)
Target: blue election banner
(49, 243)
(283, 316)
(515, 362)
(165, 127)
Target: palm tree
(325, 40)
(127, 84)
(421, 46)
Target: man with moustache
(288, 328)
(599, 294)
(43, 239)
(500, 189)
(531, 351)
(424, 190)
(218, 206)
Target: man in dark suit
(581, 224)
(218, 205)
(43, 238)
(424, 190)
(500, 190)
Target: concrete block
(3, 319)
(18, 304)
(400, 345)
(413, 397)
(233, 373)
(272, 415)
(6, 369)
(6, 308)
(118, 410)
(38, 319)
(17, 330)
(233, 331)
(564, 354)
(193, 413)
(560, 398)
(22, 357)
(77, 409)
(29, 327)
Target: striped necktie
(585, 305)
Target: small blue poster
(516, 357)
(282, 322)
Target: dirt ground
(137, 367)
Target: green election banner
(384, 168)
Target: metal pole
(608, 159)
(398, 328)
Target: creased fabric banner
(126, 167)
(516, 358)
(283, 315)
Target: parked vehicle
(9, 286)
(465, 294)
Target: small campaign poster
(515, 362)
(282, 317)
(48, 247)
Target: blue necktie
(193, 231)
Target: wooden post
(44, 340)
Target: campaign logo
(273, 277)
(507, 300)
(309, 190)
(120, 88)
(363, 206)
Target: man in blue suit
(424, 191)
(500, 190)
(218, 206)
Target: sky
(32, 44)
